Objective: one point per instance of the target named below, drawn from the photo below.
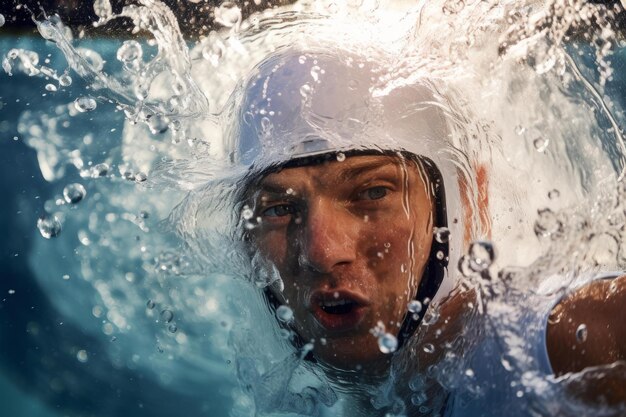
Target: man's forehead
(333, 171)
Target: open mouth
(338, 310)
(338, 306)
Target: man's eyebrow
(364, 167)
(272, 188)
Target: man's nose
(329, 236)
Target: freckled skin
(347, 226)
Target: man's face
(351, 240)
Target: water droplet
(65, 80)
(51, 87)
(442, 234)
(140, 177)
(302, 59)
(429, 348)
(11, 292)
(305, 90)
(172, 328)
(74, 193)
(49, 227)
(2, 20)
(440, 255)
(554, 194)
(581, 333)
(453, 6)
(82, 356)
(66, 277)
(99, 170)
(541, 144)
(419, 398)
(547, 224)
(247, 213)
(158, 124)
(150, 304)
(130, 53)
(284, 314)
(481, 255)
(469, 372)
(414, 306)
(387, 343)
(228, 14)
(102, 8)
(341, 156)
(519, 130)
(85, 104)
(167, 316)
(315, 73)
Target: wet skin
(351, 240)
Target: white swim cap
(302, 103)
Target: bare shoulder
(588, 328)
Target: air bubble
(554, 194)
(130, 53)
(414, 306)
(49, 227)
(442, 234)
(341, 156)
(2, 20)
(419, 398)
(82, 356)
(305, 90)
(51, 87)
(581, 333)
(387, 343)
(315, 73)
(167, 316)
(284, 314)
(519, 130)
(74, 193)
(440, 255)
(99, 170)
(150, 304)
(140, 177)
(453, 7)
(429, 348)
(481, 255)
(172, 328)
(102, 8)
(85, 104)
(65, 80)
(228, 14)
(247, 213)
(547, 224)
(541, 144)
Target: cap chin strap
(437, 265)
(435, 270)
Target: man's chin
(352, 355)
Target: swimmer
(347, 184)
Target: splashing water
(142, 123)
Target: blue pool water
(85, 326)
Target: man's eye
(373, 193)
(279, 210)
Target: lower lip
(339, 322)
